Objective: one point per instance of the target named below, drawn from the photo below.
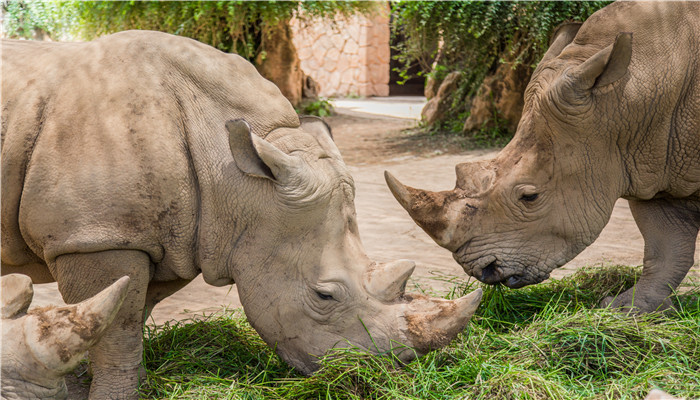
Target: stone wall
(347, 57)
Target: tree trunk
(279, 61)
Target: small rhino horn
(74, 328)
(17, 293)
(388, 283)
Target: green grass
(547, 341)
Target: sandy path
(370, 145)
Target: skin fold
(156, 157)
(612, 111)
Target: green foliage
(231, 26)
(477, 36)
(321, 108)
(29, 19)
(547, 341)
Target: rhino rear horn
(17, 293)
(59, 336)
(388, 283)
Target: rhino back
(108, 143)
(656, 110)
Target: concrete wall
(347, 57)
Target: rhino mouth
(489, 270)
(493, 274)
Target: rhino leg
(116, 359)
(157, 291)
(670, 229)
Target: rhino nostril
(491, 274)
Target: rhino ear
(244, 153)
(562, 36)
(606, 66)
(322, 132)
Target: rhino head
(314, 289)
(549, 193)
(41, 346)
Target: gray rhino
(612, 111)
(41, 346)
(156, 157)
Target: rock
(500, 94)
(434, 110)
(281, 63)
(311, 88)
(431, 87)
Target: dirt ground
(371, 144)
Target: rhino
(42, 345)
(611, 111)
(157, 157)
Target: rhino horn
(433, 325)
(59, 336)
(388, 283)
(17, 293)
(426, 208)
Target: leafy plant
(475, 37)
(29, 19)
(231, 26)
(321, 107)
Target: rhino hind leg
(116, 359)
(669, 228)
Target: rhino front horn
(425, 208)
(435, 324)
(58, 337)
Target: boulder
(500, 96)
(279, 62)
(435, 109)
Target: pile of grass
(547, 341)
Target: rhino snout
(433, 323)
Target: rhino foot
(634, 301)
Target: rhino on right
(611, 111)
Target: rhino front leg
(670, 229)
(116, 358)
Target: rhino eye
(324, 296)
(529, 197)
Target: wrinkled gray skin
(157, 157)
(612, 110)
(41, 346)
